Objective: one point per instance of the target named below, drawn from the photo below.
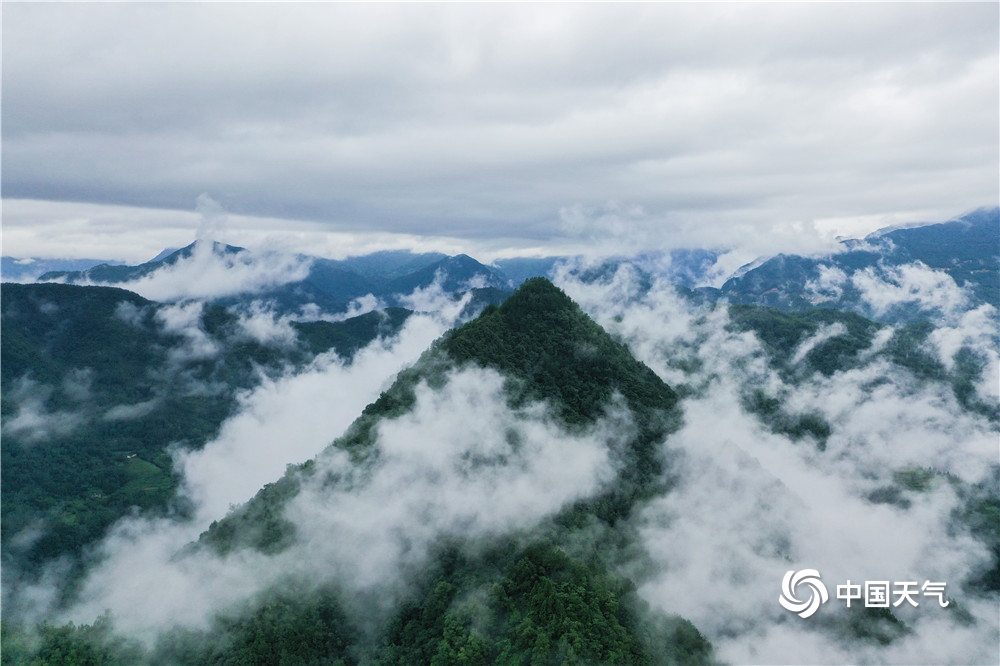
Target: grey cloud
(448, 120)
(130, 412)
(77, 384)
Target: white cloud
(280, 423)
(185, 320)
(209, 274)
(751, 505)
(829, 286)
(433, 298)
(890, 286)
(33, 421)
(261, 324)
(822, 334)
(460, 463)
(976, 329)
(129, 412)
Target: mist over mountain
(399, 458)
(891, 275)
(28, 269)
(101, 387)
(227, 274)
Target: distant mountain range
(101, 384)
(967, 249)
(329, 284)
(15, 269)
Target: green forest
(87, 352)
(555, 594)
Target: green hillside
(95, 390)
(533, 598)
(550, 350)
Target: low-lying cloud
(460, 463)
(292, 418)
(209, 274)
(33, 421)
(910, 283)
(751, 504)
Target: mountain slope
(99, 382)
(458, 273)
(117, 274)
(302, 281)
(547, 350)
(26, 269)
(966, 249)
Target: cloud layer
(520, 125)
(461, 463)
(752, 504)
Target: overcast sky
(491, 129)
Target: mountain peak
(549, 350)
(540, 335)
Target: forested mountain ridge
(535, 595)
(548, 350)
(119, 273)
(98, 383)
(305, 281)
(529, 490)
(966, 249)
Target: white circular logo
(817, 594)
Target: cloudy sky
(491, 129)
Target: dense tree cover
(781, 332)
(511, 604)
(68, 645)
(517, 605)
(97, 360)
(980, 510)
(259, 524)
(348, 336)
(549, 349)
(539, 607)
(293, 624)
(541, 336)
